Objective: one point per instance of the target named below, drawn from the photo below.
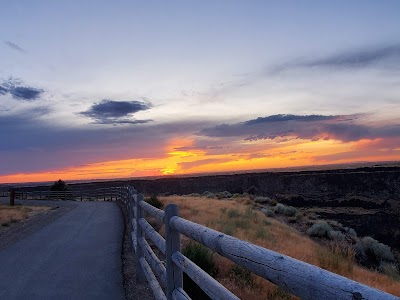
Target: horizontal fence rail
(165, 278)
(101, 194)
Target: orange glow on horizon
(178, 160)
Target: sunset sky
(115, 89)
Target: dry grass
(14, 214)
(237, 218)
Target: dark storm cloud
(14, 46)
(19, 91)
(116, 112)
(312, 127)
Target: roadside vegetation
(15, 214)
(261, 221)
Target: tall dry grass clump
(237, 217)
(14, 214)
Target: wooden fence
(166, 279)
(101, 194)
(297, 277)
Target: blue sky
(93, 77)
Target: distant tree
(59, 185)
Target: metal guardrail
(297, 277)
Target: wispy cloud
(387, 56)
(14, 46)
(200, 162)
(116, 112)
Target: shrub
(208, 194)
(236, 195)
(337, 259)
(202, 257)
(243, 223)
(241, 276)
(335, 224)
(319, 229)
(274, 202)
(262, 200)
(153, 200)
(261, 233)
(350, 232)
(194, 195)
(224, 195)
(228, 228)
(279, 294)
(268, 212)
(336, 235)
(371, 253)
(299, 216)
(289, 211)
(389, 269)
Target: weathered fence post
(134, 221)
(140, 277)
(12, 197)
(173, 244)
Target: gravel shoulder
(22, 229)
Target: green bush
(202, 257)
(154, 201)
(274, 202)
(289, 211)
(350, 232)
(262, 200)
(336, 235)
(389, 269)
(208, 194)
(224, 195)
(372, 253)
(194, 195)
(320, 229)
(261, 233)
(268, 212)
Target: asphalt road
(77, 256)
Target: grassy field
(14, 214)
(237, 217)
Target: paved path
(78, 256)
